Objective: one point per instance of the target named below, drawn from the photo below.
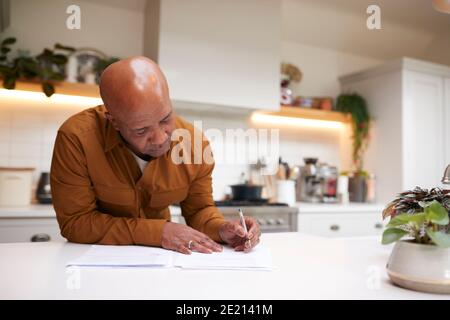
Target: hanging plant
(46, 67)
(356, 106)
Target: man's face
(147, 133)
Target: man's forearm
(100, 228)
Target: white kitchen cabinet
(28, 224)
(29, 230)
(341, 220)
(423, 129)
(447, 120)
(410, 104)
(341, 224)
(222, 53)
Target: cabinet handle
(40, 237)
(378, 225)
(334, 227)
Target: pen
(241, 216)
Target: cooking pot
(246, 192)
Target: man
(113, 177)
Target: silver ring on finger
(190, 244)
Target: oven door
(270, 219)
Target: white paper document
(257, 259)
(124, 256)
(139, 256)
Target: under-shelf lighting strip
(56, 98)
(294, 121)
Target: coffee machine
(316, 182)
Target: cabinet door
(447, 121)
(341, 225)
(222, 52)
(423, 130)
(29, 230)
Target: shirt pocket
(118, 201)
(160, 200)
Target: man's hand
(234, 234)
(177, 237)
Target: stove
(272, 217)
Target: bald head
(136, 96)
(133, 86)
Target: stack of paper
(124, 256)
(137, 256)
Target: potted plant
(419, 225)
(47, 67)
(356, 106)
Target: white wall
(116, 30)
(321, 67)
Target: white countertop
(306, 267)
(46, 210)
(31, 211)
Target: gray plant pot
(357, 188)
(420, 267)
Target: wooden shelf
(68, 88)
(307, 113)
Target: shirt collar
(112, 137)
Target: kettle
(43, 192)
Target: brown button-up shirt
(101, 196)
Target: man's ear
(111, 119)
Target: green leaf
(440, 239)
(423, 204)
(8, 41)
(48, 89)
(405, 218)
(437, 213)
(9, 82)
(393, 234)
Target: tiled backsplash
(27, 133)
(28, 130)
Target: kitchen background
(222, 60)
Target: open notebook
(138, 256)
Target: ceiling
(409, 27)
(136, 5)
